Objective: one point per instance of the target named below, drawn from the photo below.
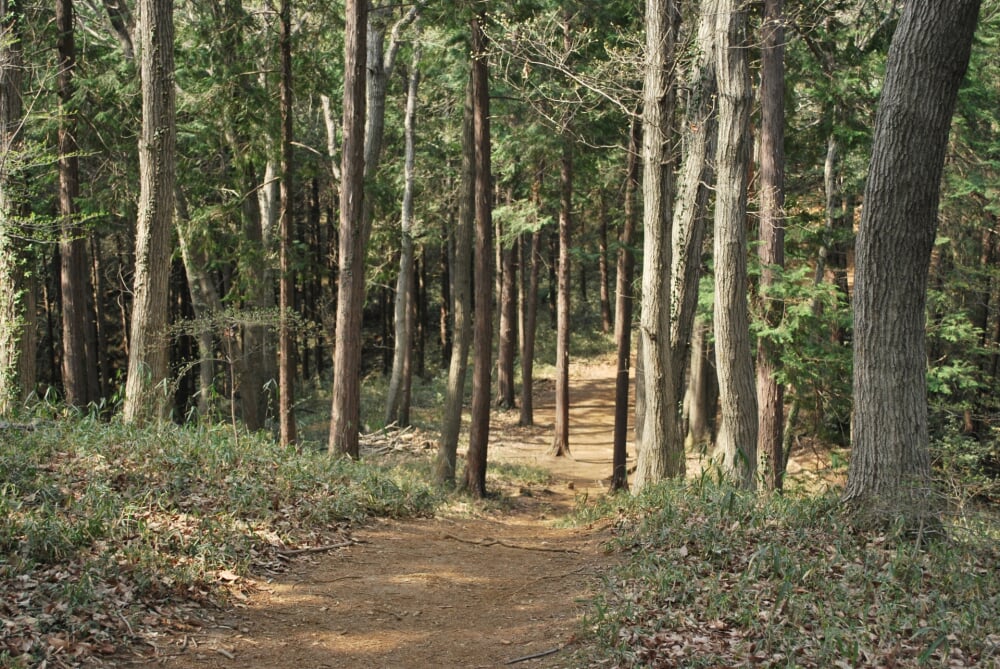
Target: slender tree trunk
(698, 398)
(73, 243)
(286, 357)
(451, 421)
(771, 251)
(479, 430)
(147, 366)
(531, 248)
(602, 265)
(623, 312)
(890, 461)
(404, 305)
(17, 313)
(660, 452)
(508, 325)
(560, 441)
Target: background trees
(566, 91)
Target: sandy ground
(473, 587)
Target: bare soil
(476, 586)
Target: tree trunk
(770, 392)
(623, 313)
(660, 452)
(479, 430)
(560, 441)
(286, 357)
(147, 366)
(72, 243)
(737, 440)
(346, 409)
(699, 133)
(508, 324)
(602, 265)
(530, 252)
(451, 421)
(404, 305)
(699, 401)
(890, 462)
(17, 314)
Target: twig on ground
(316, 549)
(501, 542)
(535, 656)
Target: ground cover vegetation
(165, 222)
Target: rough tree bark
(479, 430)
(737, 440)
(147, 364)
(531, 250)
(659, 448)
(286, 352)
(507, 344)
(771, 251)
(17, 319)
(890, 462)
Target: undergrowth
(107, 530)
(714, 577)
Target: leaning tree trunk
(660, 452)
(623, 313)
(451, 421)
(145, 396)
(890, 462)
(479, 430)
(737, 440)
(560, 441)
(770, 391)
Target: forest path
(476, 586)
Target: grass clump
(107, 530)
(715, 577)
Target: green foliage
(716, 577)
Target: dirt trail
(469, 588)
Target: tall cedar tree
(560, 441)
(890, 460)
(771, 251)
(286, 350)
(737, 440)
(145, 396)
(658, 442)
(346, 410)
(479, 430)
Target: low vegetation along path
(477, 586)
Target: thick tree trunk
(560, 441)
(145, 396)
(451, 421)
(345, 416)
(73, 243)
(17, 313)
(479, 430)
(770, 392)
(699, 398)
(623, 312)
(890, 462)
(660, 452)
(404, 305)
(286, 357)
(737, 440)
